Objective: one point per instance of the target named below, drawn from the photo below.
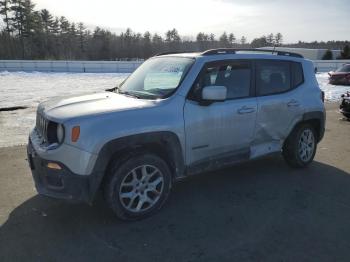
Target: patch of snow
(332, 92)
(29, 89)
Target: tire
(137, 186)
(300, 147)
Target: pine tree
(73, 30)
(157, 39)
(17, 20)
(47, 20)
(212, 37)
(147, 44)
(345, 54)
(5, 11)
(200, 37)
(259, 42)
(29, 18)
(224, 40)
(172, 36)
(328, 55)
(232, 39)
(81, 35)
(55, 27)
(243, 40)
(64, 26)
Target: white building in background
(312, 54)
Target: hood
(64, 108)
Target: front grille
(41, 126)
(46, 129)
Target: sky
(296, 20)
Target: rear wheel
(138, 187)
(300, 147)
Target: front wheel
(138, 187)
(300, 147)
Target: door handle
(292, 103)
(246, 110)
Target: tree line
(28, 33)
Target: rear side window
(298, 74)
(272, 77)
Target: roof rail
(176, 52)
(225, 51)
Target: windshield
(157, 77)
(344, 69)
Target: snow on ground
(29, 89)
(332, 92)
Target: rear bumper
(62, 183)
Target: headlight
(60, 133)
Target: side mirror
(214, 93)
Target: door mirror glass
(214, 93)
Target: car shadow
(257, 211)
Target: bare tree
(278, 39)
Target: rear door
(221, 130)
(279, 96)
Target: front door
(221, 130)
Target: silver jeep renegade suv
(176, 115)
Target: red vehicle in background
(341, 76)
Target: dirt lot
(257, 211)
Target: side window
(298, 74)
(272, 77)
(236, 76)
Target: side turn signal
(75, 133)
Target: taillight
(322, 96)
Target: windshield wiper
(117, 90)
(113, 89)
(127, 93)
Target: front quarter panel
(96, 131)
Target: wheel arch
(316, 119)
(164, 144)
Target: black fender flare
(165, 143)
(320, 116)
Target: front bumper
(62, 184)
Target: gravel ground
(257, 211)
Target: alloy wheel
(306, 145)
(141, 188)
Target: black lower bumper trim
(62, 184)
